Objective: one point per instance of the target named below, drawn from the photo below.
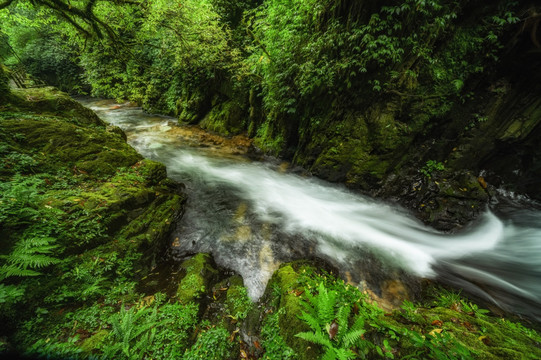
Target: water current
(252, 216)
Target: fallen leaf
(433, 332)
(333, 330)
(437, 323)
(484, 339)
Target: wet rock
(446, 201)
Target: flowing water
(251, 216)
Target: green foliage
(330, 326)
(132, 331)
(67, 257)
(29, 255)
(10, 294)
(212, 343)
(4, 87)
(430, 167)
(273, 343)
(238, 302)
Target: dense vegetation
(405, 99)
(354, 91)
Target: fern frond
(330, 354)
(317, 337)
(342, 318)
(358, 324)
(311, 320)
(31, 260)
(12, 270)
(352, 337)
(10, 293)
(325, 304)
(310, 306)
(28, 255)
(36, 242)
(344, 354)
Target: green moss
(94, 341)
(192, 106)
(106, 214)
(225, 119)
(4, 85)
(237, 302)
(61, 144)
(199, 271)
(213, 344)
(487, 337)
(269, 141)
(287, 281)
(49, 101)
(152, 172)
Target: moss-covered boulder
(285, 290)
(48, 101)
(84, 150)
(226, 118)
(198, 273)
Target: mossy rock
(237, 302)
(199, 271)
(192, 107)
(51, 101)
(152, 171)
(225, 118)
(85, 150)
(486, 337)
(4, 82)
(286, 281)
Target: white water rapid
(252, 217)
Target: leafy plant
(10, 293)
(130, 333)
(212, 343)
(273, 343)
(139, 331)
(28, 256)
(438, 345)
(410, 311)
(430, 167)
(330, 326)
(447, 299)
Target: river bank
(102, 295)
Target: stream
(252, 216)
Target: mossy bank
(82, 215)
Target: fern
(325, 304)
(10, 293)
(28, 255)
(321, 316)
(133, 332)
(317, 337)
